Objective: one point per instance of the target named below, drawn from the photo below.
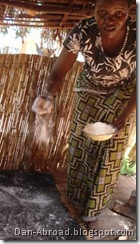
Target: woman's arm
(44, 103)
(63, 64)
(121, 119)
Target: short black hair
(129, 1)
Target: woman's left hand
(120, 121)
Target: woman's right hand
(43, 104)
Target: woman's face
(111, 16)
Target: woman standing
(104, 91)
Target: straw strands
(22, 78)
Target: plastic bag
(44, 127)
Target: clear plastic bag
(44, 127)
(43, 104)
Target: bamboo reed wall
(22, 78)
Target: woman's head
(111, 16)
(129, 2)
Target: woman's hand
(43, 104)
(120, 121)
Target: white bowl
(99, 131)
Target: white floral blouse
(99, 69)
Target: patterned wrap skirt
(94, 166)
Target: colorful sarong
(94, 166)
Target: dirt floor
(31, 209)
(33, 200)
(119, 217)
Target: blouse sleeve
(73, 40)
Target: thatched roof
(46, 13)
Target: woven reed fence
(22, 78)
